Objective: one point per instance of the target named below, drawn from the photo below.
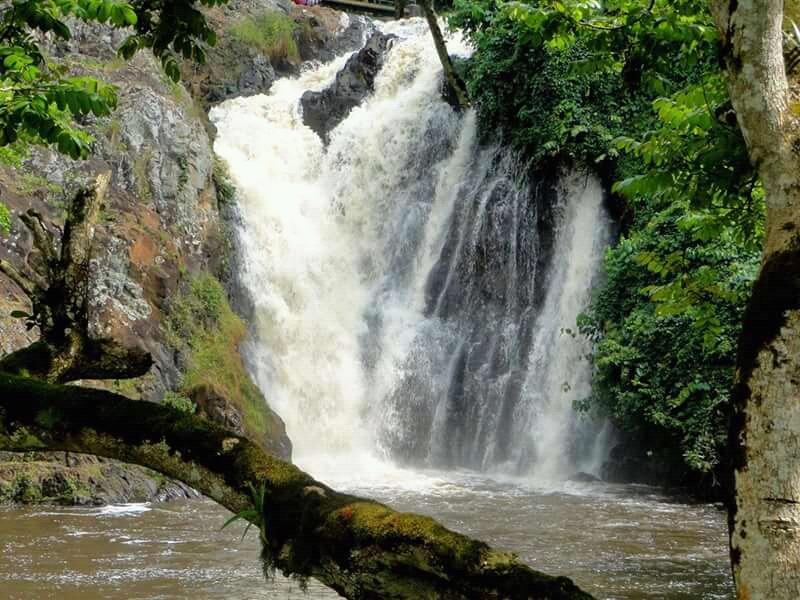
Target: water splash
(414, 295)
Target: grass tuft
(272, 32)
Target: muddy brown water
(618, 542)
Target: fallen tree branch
(358, 547)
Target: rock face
(77, 479)
(323, 111)
(165, 226)
(238, 68)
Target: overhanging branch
(358, 547)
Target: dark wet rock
(331, 33)
(582, 477)
(323, 111)
(80, 480)
(631, 463)
(215, 407)
(644, 462)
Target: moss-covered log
(358, 547)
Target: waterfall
(415, 296)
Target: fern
(254, 515)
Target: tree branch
(358, 547)
(78, 239)
(25, 284)
(457, 92)
(43, 241)
(60, 301)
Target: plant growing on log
(254, 514)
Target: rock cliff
(163, 270)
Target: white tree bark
(765, 428)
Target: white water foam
(379, 331)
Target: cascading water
(415, 297)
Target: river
(617, 542)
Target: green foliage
(563, 79)
(179, 402)
(665, 326)
(5, 219)
(634, 87)
(39, 101)
(23, 490)
(255, 514)
(14, 155)
(272, 32)
(204, 328)
(226, 190)
(696, 152)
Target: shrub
(272, 32)
(179, 402)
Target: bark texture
(58, 289)
(455, 90)
(358, 547)
(764, 511)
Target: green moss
(23, 437)
(226, 191)
(271, 32)
(203, 325)
(131, 388)
(48, 418)
(5, 219)
(13, 155)
(30, 183)
(141, 181)
(374, 522)
(24, 490)
(113, 133)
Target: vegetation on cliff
(204, 328)
(633, 88)
(272, 32)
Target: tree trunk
(358, 547)
(399, 9)
(456, 92)
(764, 510)
(58, 288)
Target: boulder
(323, 111)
